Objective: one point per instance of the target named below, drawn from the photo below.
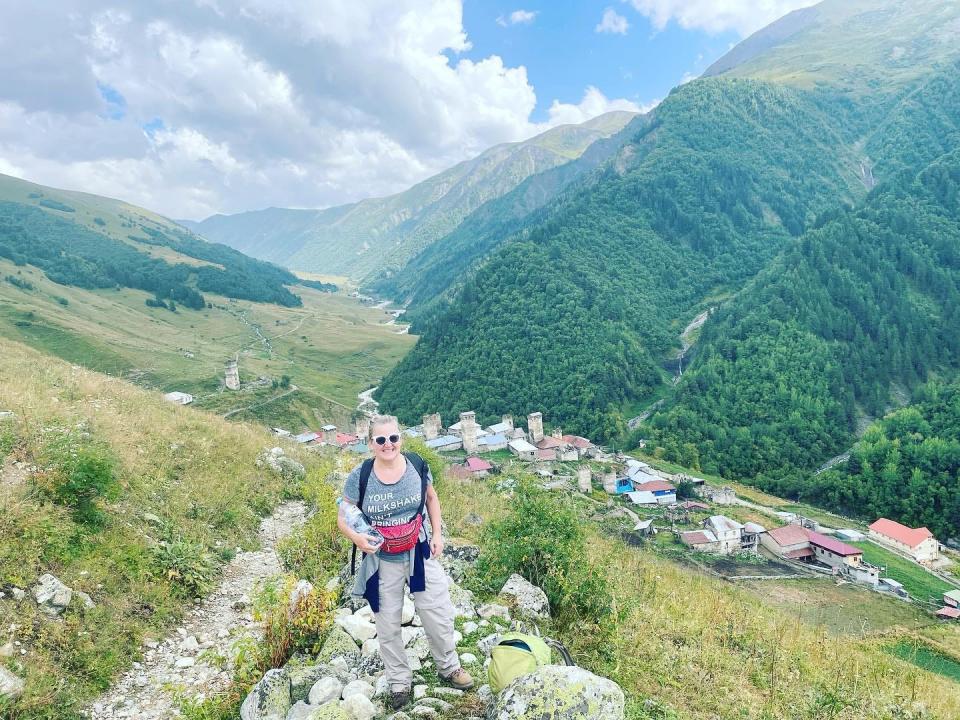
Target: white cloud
(593, 103)
(517, 17)
(612, 22)
(714, 16)
(227, 105)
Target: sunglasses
(382, 440)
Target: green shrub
(79, 474)
(185, 564)
(541, 540)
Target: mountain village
(682, 506)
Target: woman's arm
(433, 507)
(360, 540)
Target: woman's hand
(366, 543)
(436, 545)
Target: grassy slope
(195, 471)
(332, 347)
(692, 646)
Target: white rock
(325, 690)
(190, 644)
(370, 647)
(457, 637)
(11, 686)
(494, 610)
(382, 687)
(530, 601)
(409, 610)
(18, 594)
(301, 590)
(487, 643)
(366, 612)
(470, 627)
(414, 661)
(357, 687)
(447, 692)
(410, 634)
(420, 647)
(185, 662)
(7, 650)
(468, 658)
(342, 612)
(357, 627)
(419, 691)
(51, 595)
(300, 711)
(87, 601)
(359, 707)
(424, 712)
(485, 694)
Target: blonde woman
(393, 490)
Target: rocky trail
(185, 663)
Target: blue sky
(195, 108)
(563, 52)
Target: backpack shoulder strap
(365, 471)
(422, 468)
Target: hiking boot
(460, 679)
(399, 698)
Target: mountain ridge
(346, 239)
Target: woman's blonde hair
(382, 420)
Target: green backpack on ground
(514, 655)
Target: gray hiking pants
(435, 610)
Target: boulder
(555, 692)
(462, 600)
(408, 611)
(269, 699)
(330, 711)
(370, 647)
(494, 610)
(325, 690)
(359, 707)
(359, 628)
(338, 642)
(487, 643)
(300, 711)
(11, 687)
(51, 595)
(358, 687)
(304, 677)
(530, 601)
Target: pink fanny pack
(400, 538)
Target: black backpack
(419, 464)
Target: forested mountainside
(575, 316)
(94, 242)
(870, 298)
(905, 466)
(837, 194)
(437, 271)
(376, 236)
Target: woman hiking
(393, 490)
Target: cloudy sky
(192, 107)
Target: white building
(179, 398)
(919, 543)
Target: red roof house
(476, 465)
(832, 545)
(580, 443)
(344, 439)
(917, 542)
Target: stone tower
(329, 434)
(610, 481)
(583, 479)
(508, 421)
(535, 427)
(557, 433)
(468, 431)
(363, 426)
(431, 426)
(232, 375)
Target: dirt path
(184, 662)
